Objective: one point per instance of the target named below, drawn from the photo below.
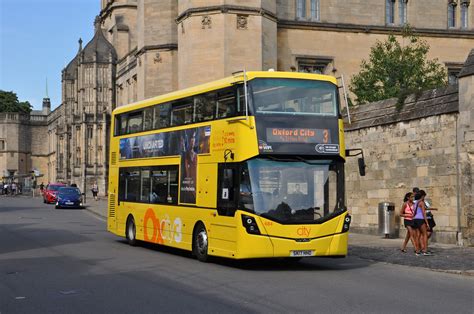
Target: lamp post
(84, 185)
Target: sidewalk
(446, 257)
(98, 207)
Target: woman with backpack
(421, 222)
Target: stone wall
(416, 146)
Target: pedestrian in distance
(41, 188)
(14, 187)
(407, 212)
(421, 222)
(95, 190)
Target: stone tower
(46, 105)
(80, 126)
(225, 38)
(157, 47)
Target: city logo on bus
(303, 231)
(163, 230)
(327, 148)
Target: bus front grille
(113, 159)
(112, 205)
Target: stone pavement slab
(446, 257)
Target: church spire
(47, 88)
(97, 23)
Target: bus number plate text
(302, 253)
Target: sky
(38, 38)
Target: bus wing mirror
(362, 166)
(356, 152)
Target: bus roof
(225, 82)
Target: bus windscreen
(292, 192)
(293, 96)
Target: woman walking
(407, 212)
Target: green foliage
(9, 103)
(397, 70)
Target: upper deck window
(182, 112)
(294, 97)
(219, 104)
(135, 122)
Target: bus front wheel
(200, 243)
(131, 231)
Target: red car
(50, 192)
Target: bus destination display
(298, 135)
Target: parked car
(49, 193)
(69, 197)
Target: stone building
(172, 44)
(22, 148)
(429, 144)
(78, 130)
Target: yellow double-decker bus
(250, 166)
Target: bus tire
(131, 231)
(200, 242)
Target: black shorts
(417, 223)
(409, 223)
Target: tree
(9, 103)
(396, 70)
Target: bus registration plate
(301, 253)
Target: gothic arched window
(300, 9)
(390, 12)
(451, 14)
(402, 11)
(315, 10)
(464, 14)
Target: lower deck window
(155, 185)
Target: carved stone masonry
(157, 58)
(206, 21)
(242, 21)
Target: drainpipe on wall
(459, 238)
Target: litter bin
(387, 219)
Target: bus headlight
(347, 223)
(250, 224)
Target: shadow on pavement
(267, 264)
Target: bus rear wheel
(131, 231)
(200, 243)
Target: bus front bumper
(263, 246)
